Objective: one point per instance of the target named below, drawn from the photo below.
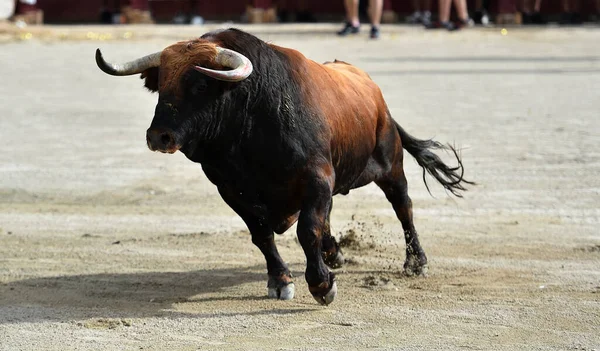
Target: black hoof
(332, 254)
(325, 293)
(415, 265)
(279, 289)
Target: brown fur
(354, 125)
(176, 60)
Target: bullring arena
(105, 245)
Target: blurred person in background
(352, 25)
(530, 10)
(481, 15)
(7, 9)
(571, 12)
(295, 11)
(422, 14)
(126, 11)
(27, 12)
(188, 13)
(137, 12)
(444, 16)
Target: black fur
(450, 177)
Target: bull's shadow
(131, 295)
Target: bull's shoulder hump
(346, 69)
(291, 54)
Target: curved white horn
(240, 66)
(128, 68)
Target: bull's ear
(150, 77)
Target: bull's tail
(450, 177)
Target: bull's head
(188, 98)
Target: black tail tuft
(450, 177)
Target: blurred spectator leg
(106, 14)
(284, 12)
(531, 14)
(571, 15)
(444, 7)
(352, 25)
(181, 17)
(481, 15)
(425, 11)
(137, 12)
(27, 12)
(444, 10)
(261, 11)
(193, 13)
(507, 12)
(375, 11)
(463, 13)
(7, 10)
(537, 14)
(304, 12)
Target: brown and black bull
(280, 135)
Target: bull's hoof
(325, 293)
(335, 260)
(415, 266)
(282, 293)
(281, 288)
(328, 297)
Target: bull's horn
(129, 68)
(240, 66)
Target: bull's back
(355, 110)
(349, 107)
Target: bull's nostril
(166, 139)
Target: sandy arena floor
(105, 245)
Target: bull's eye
(199, 87)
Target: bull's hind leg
(279, 285)
(330, 250)
(396, 190)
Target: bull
(280, 135)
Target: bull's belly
(279, 210)
(282, 223)
(349, 173)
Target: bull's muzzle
(162, 140)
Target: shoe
(433, 25)
(419, 17)
(426, 17)
(465, 23)
(576, 18)
(449, 26)
(570, 18)
(374, 32)
(485, 19)
(348, 29)
(180, 18)
(415, 18)
(536, 18)
(481, 17)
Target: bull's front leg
(280, 284)
(311, 228)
